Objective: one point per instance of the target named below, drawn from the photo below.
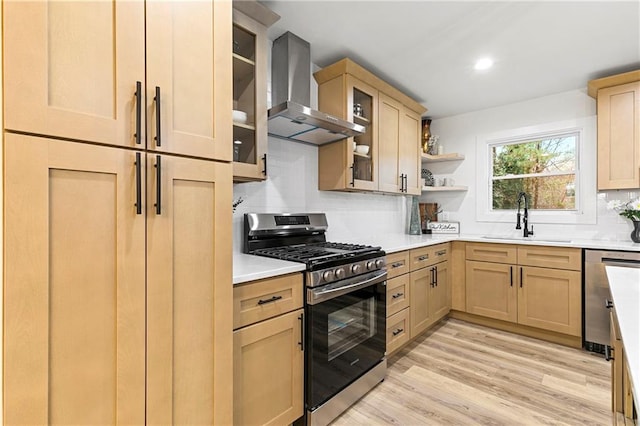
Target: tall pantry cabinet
(117, 289)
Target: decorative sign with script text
(444, 227)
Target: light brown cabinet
(399, 154)
(250, 50)
(618, 104)
(73, 327)
(124, 279)
(622, 398)
(429, 287)
(529, 285)
(91, 72)
(268, 355)
(392, 122)
(340, 167)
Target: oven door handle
(318, 295)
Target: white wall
(459, 133)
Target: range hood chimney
(291, 117)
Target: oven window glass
(350, 326)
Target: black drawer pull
(395, 296)
(264, 158)
(158, 118)
(423, 257)
(441, 253)
(608, 304)
(273, 299)
(301, 342)
(397, 265)
(608, 353)
(138, 164)
(397, 331)
(138, 96)
(158, 203)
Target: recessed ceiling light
(483, 64)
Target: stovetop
(316, 252)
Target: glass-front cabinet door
(249, 99)
(362, 150)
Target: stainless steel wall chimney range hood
(291, 117)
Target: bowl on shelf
(362, 149)
(239, 116)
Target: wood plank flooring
(465, 374)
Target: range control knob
(371, 264)
(339, 273)
(379, 263)
(355, 269)
(327, 275)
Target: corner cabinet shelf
(456, 188)
(427, 158)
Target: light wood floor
(465, 374)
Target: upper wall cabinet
(386, 157)
(618, 100)
(250, 46)
(77, 71)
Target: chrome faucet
(525, 219)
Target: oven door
(346, 333)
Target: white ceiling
(428, 48)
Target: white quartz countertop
(248, 267)
(625, 291)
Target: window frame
(585, 208)
(516, 141)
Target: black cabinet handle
(138, 96)
(608, 304)
(138, 184)
(353, 175)
(158, 203)
(406, 182)
(397, 265)
(441, 253)
(607, 353)
(422, 258)
(272, 299)
(158, 117)
(435, 282)
(397, 331)
(401, 182)
(395, 296)
(301, 342)
(264, 158)
(511, 276)
(433, 277)
(521, 277)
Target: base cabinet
(418, 292)
(268, 357)
(522, 290)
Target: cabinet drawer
(397, 264)
(258, 300)
(397, 294)
(487, 252)
(420, 258)
(397, 330)
(550, 257)
(441, 252)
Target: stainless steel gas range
(345, 307)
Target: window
(553, 163)
(543, 168)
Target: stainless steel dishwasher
(597, 294)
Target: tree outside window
(545, 169)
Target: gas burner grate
(315, 252)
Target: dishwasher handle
(625, 263)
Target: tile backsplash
(292, 186)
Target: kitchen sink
(539, 240)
